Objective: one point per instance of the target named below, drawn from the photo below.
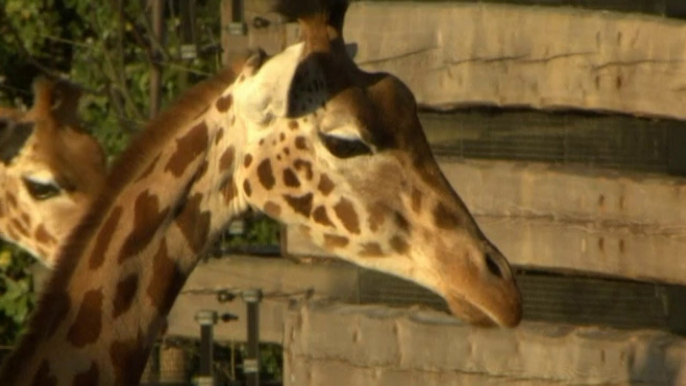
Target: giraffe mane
(137, 156)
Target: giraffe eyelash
(41, 190)
(345, 147)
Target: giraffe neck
(106, 303)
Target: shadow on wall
(653, 365)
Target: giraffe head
(341, 153)
(49, 170)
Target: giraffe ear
(267, 97)
(13, 135)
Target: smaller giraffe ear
(267, 97)
(59, 98)
(13, 136)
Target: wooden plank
(454, 55)
(264, 29)
(541, 216)
(567, 138)
(653, 7)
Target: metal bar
(237, 11)
(207, 320)
(251, 365)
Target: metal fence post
(207, 319)
(251, 364)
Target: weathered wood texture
(606, 223)
(670, 8)
(329, 344)
(455, 54)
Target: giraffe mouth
(480, 316)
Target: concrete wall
(333, 344)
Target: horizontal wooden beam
(542, 216)
(463, 54)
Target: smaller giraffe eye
(41, 190)
(344, 147)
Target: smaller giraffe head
(49, 170)
(342, 154)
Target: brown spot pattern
(229, 190)
(301, 143)
(13, 234)
(247, 188)
(416, 200)
(319, 215)
(87, 378)
(26, 220)
(43, 236)
(290, 179)
(19, 227)
(335, 241)
(126, 291)
(148, 218)
(11, 200)
(371, 249)
(399, 244)
(305, 166)
(302, 204)
(188, 148)
(224, 103)
(247, 160)
(88, 322)
(219, 136)
(149, 169)
(377, 216)
(194, 223)
(265, 174)
(129, 357)
(401, 222)
(445, 218)
(102, 242)
(325, 185)
(272, 209)
(227, 158)
(346, 213)
(43, 377)
(293, 125)
(167, 281)
(282, 137)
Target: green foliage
(16, 297)
(106, 47)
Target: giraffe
(306, 137)
(50, 170)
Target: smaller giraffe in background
(50, 170)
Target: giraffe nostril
(493, 267)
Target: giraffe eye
(41, 190)
(345, 147)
